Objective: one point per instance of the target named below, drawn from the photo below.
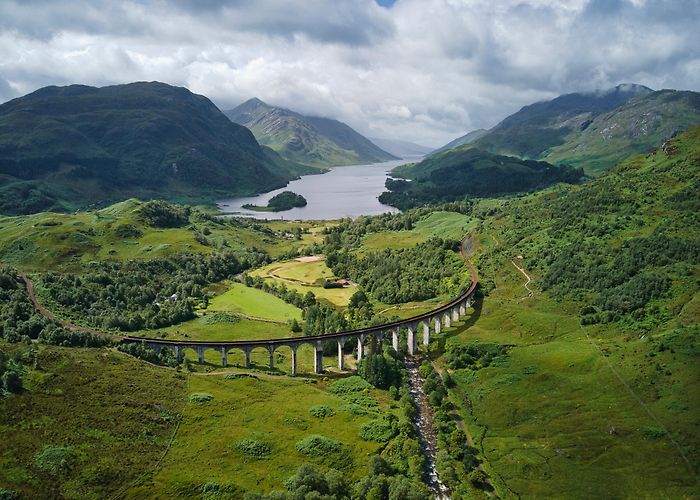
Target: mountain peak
(310, 140)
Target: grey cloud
(424, 70)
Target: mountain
(465, 139)
(637, 126)
(457, 173)
(66, 147)
(310, 140)
(594, 130)
(402, 149)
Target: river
(427, 434)
(348, 191)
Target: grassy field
(572, 411)
(65, 241)
(437, 224)
(253, 302)
(306, 277)
(274, 412)
(115, 413)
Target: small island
(286, 200)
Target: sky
(425, 71)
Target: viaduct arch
(415, 326)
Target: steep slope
(465, 139)
(315, 141)
(70, 146)
(594, 131)
(542, 125)
(457, 173)
(602, 375)
(638, 126)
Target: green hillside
(454, 174)
(67, 147)
(593, 131)
(320, 142)
(638, 126)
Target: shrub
(220, 317)
(55, 459)
(321, 411)
(651, 432)
(316, 445)
(377, 430)
(6, 494)
(349, 385)
(253, 448)
(201, 397)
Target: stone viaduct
(434, 320)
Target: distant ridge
(592, 130)
(465, 139)
(310, 140)
(67, 147)
(402, 149)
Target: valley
(502, 327)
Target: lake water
(348, 191)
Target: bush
(218, 317)
(318, 446)
(321, 411)
(6, 494)
(349, 385)
(201, 397)
(253, 448)
(377, 430)
(55, 459)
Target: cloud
(420, 70)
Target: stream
(427, 435)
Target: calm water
(343, 192)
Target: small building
(172, 298)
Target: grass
(89, 422)
(437, 224)
(254, 302)
(306, 277)
(53, 241)
(270, 415)
(570, 426)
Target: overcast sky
(420, 70)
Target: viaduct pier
(417, 326)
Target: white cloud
(424, 70)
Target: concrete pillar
(438, 325)
(412, 347)
(462, 308)
(380, 340)
(247, 357)
(294, 360)
(426, 332)
(224, 361)
(271, 349)
(200, 354)
(341, 358)
(318, 357)
(448, 320)
(395, 339)
(178, 353)
(360, 349)
(455, 314)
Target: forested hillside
(68, 147)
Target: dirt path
(48, 314)
(529, 291)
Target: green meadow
(253, 302)
(273, 412)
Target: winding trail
(530, 292)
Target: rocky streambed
(427, 434)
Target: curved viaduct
(433, 320)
